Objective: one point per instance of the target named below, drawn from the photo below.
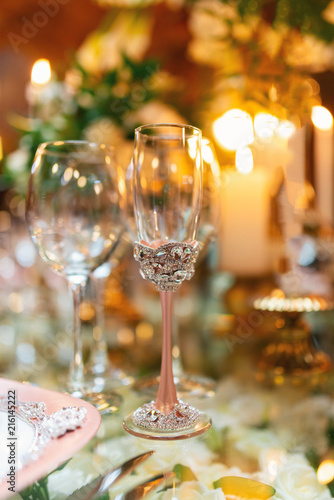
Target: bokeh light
(322, 118)
(233, 129)
(41, 72)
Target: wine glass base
(106, 402)
(183, 422)
(187, 386)
(110, 378)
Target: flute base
(187, 386)
(183, 422)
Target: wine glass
(167, 201)
(74, 211)
(99, 368)
(191, 385)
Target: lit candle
(324, 158)
(40, 77)
(244, 230)
(245, 200)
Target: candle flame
(322, 118)
(41, 72)
(325, 472)
(233, 129)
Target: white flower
(251, 442)
(18, 160)
(205, 23)
(81, 469)
(297, 480)
(129, 34)
(304, 423)
(193, 453)
(309, 52)
(193, 490)
(208, 475)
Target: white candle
(244, 231)
(40, 77)
(324, 162)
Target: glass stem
(166, 398)
(176, 354)
(77, 368)
(99, 356)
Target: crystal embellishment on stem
(168, 265)
(183, 416)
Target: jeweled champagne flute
(190, 385)
(75, 216)
(167, 201)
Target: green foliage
(305, 15)
(112, 96)
(39, 490)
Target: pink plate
(58, 450)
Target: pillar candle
(244, 230)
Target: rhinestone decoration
(183, 416)
(46, 427)
(168, 265)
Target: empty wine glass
(167, 201)
(99, 368)
(74, 213)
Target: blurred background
(257, 78)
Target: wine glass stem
(77, 368)
(166, 398)
(99, 356)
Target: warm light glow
(322, 118)
(55, 168)
(68, 174)
(1, 149)
(233, 129)
(285, 129)
(144, 332)
(207, 153)
(325, 472)
(155, 162)
(82, 181)
(244, 160)
(265, 125)
(41, 72)
(192, 147)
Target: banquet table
(276, 435)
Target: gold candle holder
(292, 354)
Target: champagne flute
(74, 213)
(191, 385)
(167, 201)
